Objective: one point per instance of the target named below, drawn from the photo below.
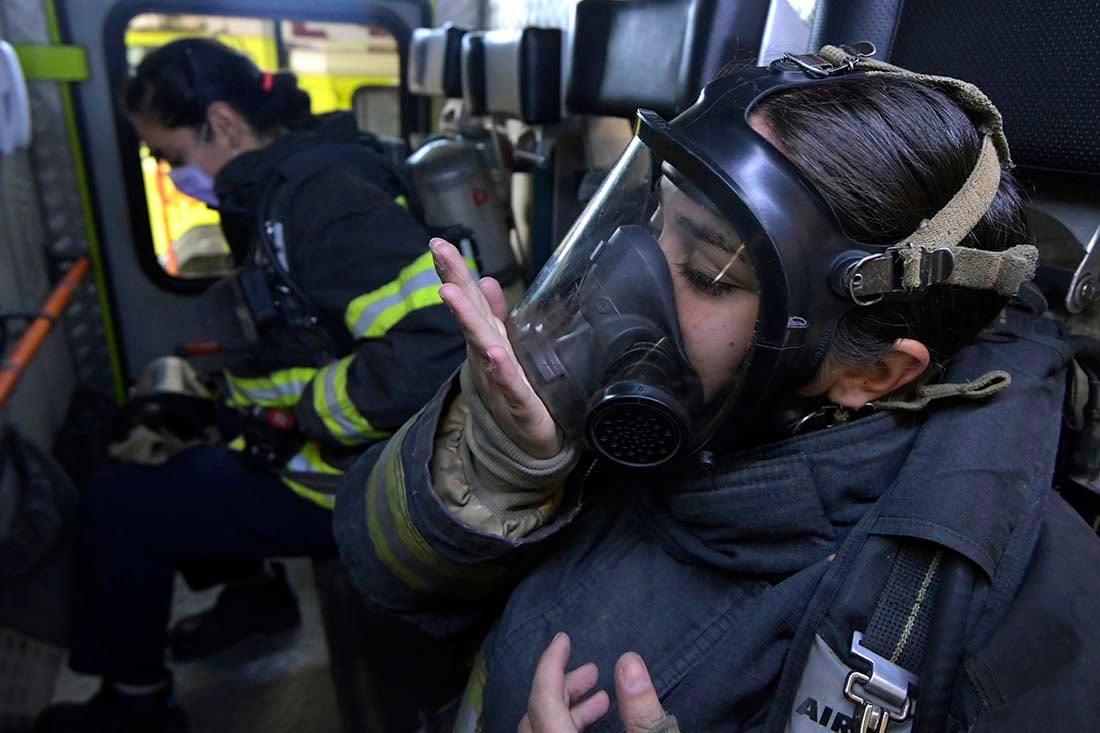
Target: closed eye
(709, 285)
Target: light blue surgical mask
(190, 180)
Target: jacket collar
(960, 474)
(774, 510)
(243, 180)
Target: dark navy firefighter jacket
(727, 580)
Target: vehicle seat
(514, 77)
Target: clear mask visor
(638, 330)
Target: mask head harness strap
(932, 255)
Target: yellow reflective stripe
(468, 719)
(402, 202)
(475, 686)
(333, 405)
(309, 460)
(416, 286)
(324, 501)
(401, 546)
(237, 444)
(375, 529)
(278, 389)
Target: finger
(525, 725)
(494, 296)
(588, 712)
(639, 706)
(547, 711)
(549, 680)
(451, 268)
(580, 681)
(479, 333)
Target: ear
(856, 386)
(229, 128)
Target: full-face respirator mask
(702, 206)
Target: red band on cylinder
(269, 81)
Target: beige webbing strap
(965, 94)
(966, 208)
(984, 386)
(1002, 272)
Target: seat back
(656, 54)
(514, 73)
(435, 62)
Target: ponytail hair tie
(269, 81)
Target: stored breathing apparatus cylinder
(456, 189)
(705, 206)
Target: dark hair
(175, 84)
(887, 153)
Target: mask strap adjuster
(872, 278)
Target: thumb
(639, 706)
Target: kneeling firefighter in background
(337, 335)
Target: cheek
(717, 335)
(212, 158)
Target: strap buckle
(881, 697)
(819, 68)
(870, 279)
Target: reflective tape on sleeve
(278, 389)
(417, 286)
(334, 406)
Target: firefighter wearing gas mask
(768, 417)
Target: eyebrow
(704, 232)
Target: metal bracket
(819, 68)
(1084, 288)
(872, 278)
(881, 697)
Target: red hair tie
(269, 81)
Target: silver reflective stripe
(257, 394)
(425, 279)
(336, 410)
(300, 464)
(278, 389)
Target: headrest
(1042, 76)
(435, 62)
(656, 54)
(514, 72)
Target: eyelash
(705, 284)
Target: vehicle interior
(506, 117)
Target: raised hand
(480, 311)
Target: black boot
(258, 606)
(110, 711)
